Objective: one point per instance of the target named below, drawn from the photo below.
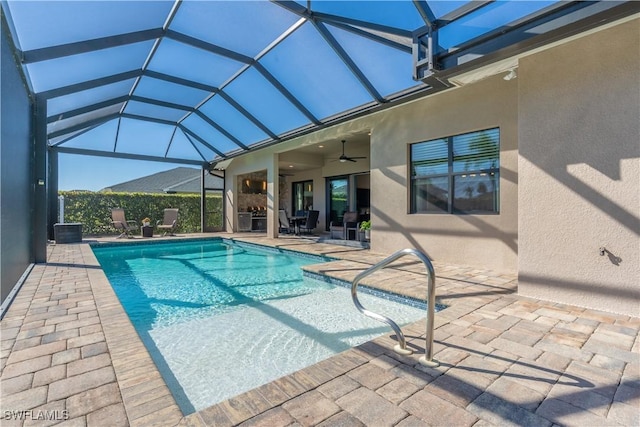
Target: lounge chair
(169, 223)
(349, 223)
(119, 222)
(310, 223)
(286, 226)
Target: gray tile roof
(177, 180)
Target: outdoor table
(147, 231)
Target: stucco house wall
(486, 240)
(579, 145)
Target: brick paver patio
(69, 355)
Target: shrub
(93, 210)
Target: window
(458, 174)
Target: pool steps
(401, 347)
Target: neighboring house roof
(178, 180)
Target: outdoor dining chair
(349, 223)
(310, 223)
(286, 225)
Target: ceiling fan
(344, 158)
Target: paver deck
(70, 355)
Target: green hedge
(93, 210)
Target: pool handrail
(401, 347)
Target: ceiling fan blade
(344, 158)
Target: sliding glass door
(302, 196)
(338, 199)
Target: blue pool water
(221, 318)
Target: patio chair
(119, 222)
(169, 222)
(286, 225)
(349, 223)
(310, 223)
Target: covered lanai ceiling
(201, 81)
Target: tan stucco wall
(579, 145)
(489, 241)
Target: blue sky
(92, 173)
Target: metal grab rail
(401, 348)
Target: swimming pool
(220, 318)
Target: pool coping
(130, 358)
